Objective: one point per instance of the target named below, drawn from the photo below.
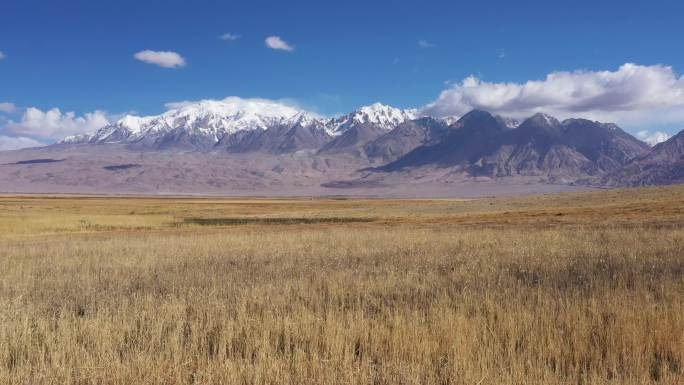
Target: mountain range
(247, 147)
(239, 125)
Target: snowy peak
(227, 116)
(305, 119)
(378, 114)
(133, 123)
(383, 115)
(74, 139)
(206, 120)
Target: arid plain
(573, 288)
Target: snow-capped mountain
(210, 122)
(378, 114)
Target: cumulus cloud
(229, 36)
(8, 108)
(2, 55)
(425, 44)
(631, 94)
(275, 42)
(283, 106)
(652, 138)
(166, 59)
(16, 143)
(55, 124)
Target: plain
(574, 288)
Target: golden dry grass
(582, 288)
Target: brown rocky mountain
(405, 138)
(278, 139)
(353, 140)
(479, 144)
(664, 164)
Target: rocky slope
(405, 138)
(664, 164)
(480, 144)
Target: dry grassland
(581, 288)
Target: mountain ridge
(482, 145)
(217, 146)
(204, 124)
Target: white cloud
(2, 55)
(281, 107)
(275, 42)
(633, 94)
(425, 44)
(15, 143)
(652, 138)
(229, 36)
(166, 59)
(55, 124)
(8, 108)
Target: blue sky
(79, 55)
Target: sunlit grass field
(579, 288)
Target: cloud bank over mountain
(53, 124)
(633, 94)
(652, 138)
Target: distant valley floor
(112, 169)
